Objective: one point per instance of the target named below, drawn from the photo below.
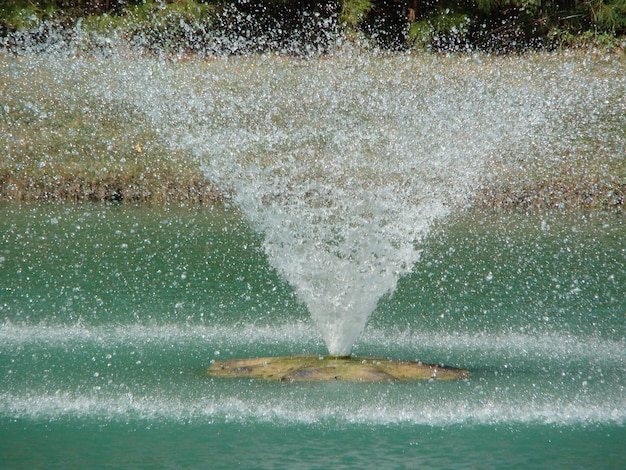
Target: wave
(507, 346)
(14, 335)
(584, 386)
(286, 410)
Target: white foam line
(535, 346)
(519, 345)
(12, 336)
(589, 411)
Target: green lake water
(110, 314)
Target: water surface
(109, 315)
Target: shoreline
(554, 195)
(108, 188)
(198, 190)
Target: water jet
(342, 195)
(341, 170)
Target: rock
(314, 368)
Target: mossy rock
(315, 368)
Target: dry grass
(593, 178)
(54, 146)
(65, 145)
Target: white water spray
(344, 163)
(343, 167)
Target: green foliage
(184, 25)
(354, 11)
(508, 25)
(443, 23)
(169, 15)
(495, 6)
(564, 38)
(24, 14)
(169, 27)
(609, 15)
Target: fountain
(344, 164)
(341, 195)
(344, 170)
(359, 167)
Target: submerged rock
(314, 368)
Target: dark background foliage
(307, 25)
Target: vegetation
(59, 141)
(114, 156)
(304, 27)
(52, 146)
(511, 25)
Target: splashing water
(340, 187)
(345, 167)
(111, 313)
(344, 163)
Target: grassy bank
(592, 174)
(71, 157)
(68, 144)
(65, 144)
(106, 160)
(311, 26)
